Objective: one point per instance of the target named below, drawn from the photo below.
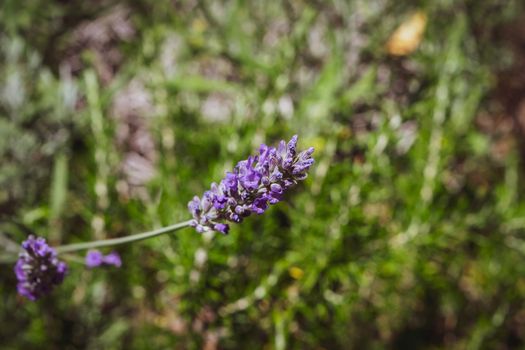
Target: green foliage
(407, 234)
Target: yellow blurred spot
(196, 40)
(408, 35)
(318, 143)
(296, 272)
(199, 25)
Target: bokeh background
(409, 232)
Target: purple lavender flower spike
(38, 269)
(95, 258)
(253, 184)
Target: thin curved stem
(121, 240)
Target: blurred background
(409, 232)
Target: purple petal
(222, 228)
(113, 258)
(260, 205)
(94, 258)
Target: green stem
(121, 240)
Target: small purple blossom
(253, 184)
(95, 258)
(38, 269)
(113, 259)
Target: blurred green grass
(407, 234)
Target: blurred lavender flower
(95, 258)
(113, 259)
(254, 183)
(38, 269)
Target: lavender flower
(38, 269)
(253, 185)
(95, 258)
(113, 259)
